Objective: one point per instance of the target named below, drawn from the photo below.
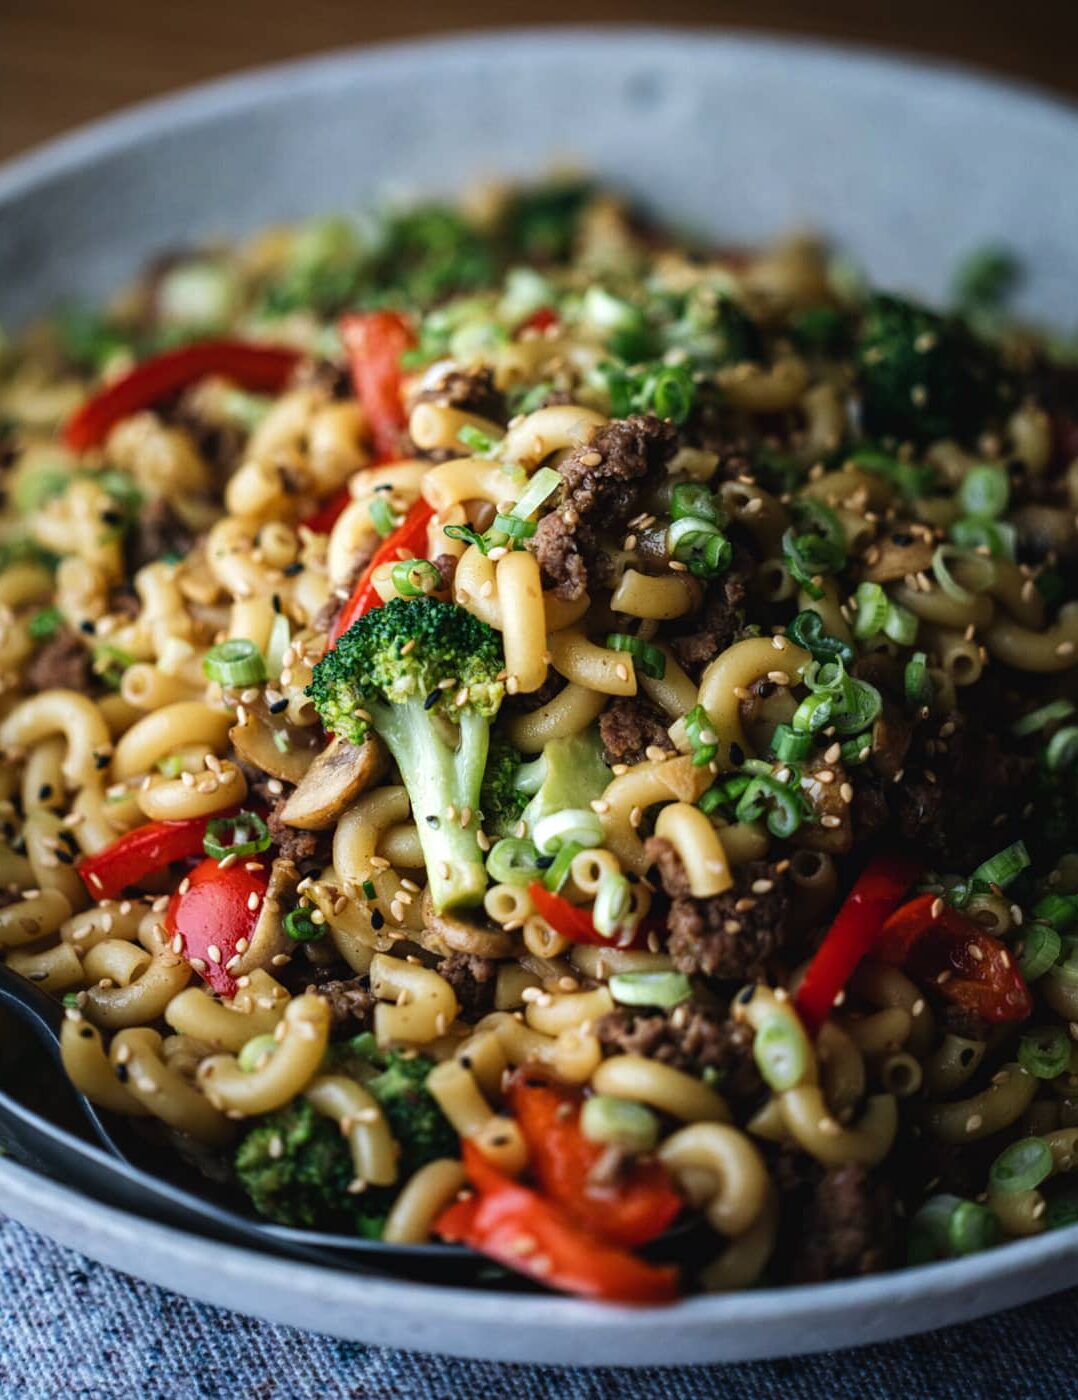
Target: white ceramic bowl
(907, 166)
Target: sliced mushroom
(269, 939)
(287, 757)
(336, 777)
(448, 933)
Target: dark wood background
(65, 61)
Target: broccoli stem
(443, 783)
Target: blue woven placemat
(70, 1328)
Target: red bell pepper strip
(941, 947)
(630, 1211)
(517, 1227)
(541, 320)
(875, 895)
(375, 342)
(144, 851)
(408, 541)
(216, 907)
(322, 520)
(262, 369)
(576, 924)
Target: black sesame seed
(377, 919)
(276, 601)
(291, 570)
(278, 706)
(121, 1073)
(431, 700)
(88, 627)
(44, 792)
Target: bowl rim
(213, 98)
(114, 1235)
(107, 1233)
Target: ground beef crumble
(629, 727)
(848, 1226)
(63, 663)
(604, 482)
(305, 848)
(731, 936)
(715, 626)
(473, 979)
(351, 1004)
(690, 1038)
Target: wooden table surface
(65, 61)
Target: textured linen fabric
(70, 1328)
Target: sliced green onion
(664, 989)
(245, 834)
(1041, 947)
(998, 536)
(861, 705)
(542, 485)
(299, 924)
(467, 535)
(1004, 866)
(910, 479)
(917, 682)
(701, 735)
(646, 658)
(172, 765)
(513, 861)
(1045, 1052)
(724, 793)
(234, 663)
(983, 568)
(789, 746)
(785, 808)
(45, 624)
(984, 492)
(957, 1227)
(607, 312)
(513, 528)
(1040, 718)
(253, 1050)
(111, 662)
(807, 631)
(414, 578)
(691, 499)
(1062, 750)
(281, 742)
(781, 1052)
(672, 393)
(476, 440)
(619, 1123)
(369, 891)
(857, 749)
(814, 713)
(382, 517)
(577, 824)
(901, 625)
(701, 545)
(1059, 910)
(1062, 1211)
(277, 644)
(873, 605)
(612, 904)
(1022, 1166)
(557, 872)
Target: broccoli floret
(421, 1129)
(540, 225)
(924, 376)
(296, 1168)
(501, 800)
(715, 330)
(427, 676)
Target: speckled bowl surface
(906, 166)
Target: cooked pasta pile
(524, 730)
